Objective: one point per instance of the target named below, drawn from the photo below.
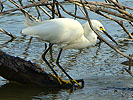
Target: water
(99, 66)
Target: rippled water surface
(98, 65)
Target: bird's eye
(102, 29)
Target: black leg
(70, 78)
(45, 46)
(55, 74)
(44, 58)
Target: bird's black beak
(109, 36)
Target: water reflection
(2, 45)
(15, 91)
(96, 87)
(25, 53)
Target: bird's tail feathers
(29, 21)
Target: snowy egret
(67, 33)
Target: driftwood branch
(26, 72)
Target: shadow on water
(96, 88)
(15, 91)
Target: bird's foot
(61, 81)
(73, 82)
(77, 83)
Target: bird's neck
(89, 33)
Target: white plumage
(68, 33)
(65, 32)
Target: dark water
(99, 66)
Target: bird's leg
(29, 42)
(70, 78)
(43, 57)
(51, 57)
(50, 51)
(45, 46)
(27, 47)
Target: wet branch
(26, 72)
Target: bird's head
(99, 27)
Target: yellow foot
(76, 82)
(61, 80)
(66, 82)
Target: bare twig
(20, 2)
(24, 11)
(53, 9)
(101, 36)
(56, 12)
(117, 4)
(37, 9)
(95, 8)
(123, 14)
(119, 22)
(7, 33)
(125, 39)
(57, 6)
(71, 13)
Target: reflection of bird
(67, 33)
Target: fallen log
(25, 72)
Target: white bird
(67, 33)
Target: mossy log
(25, 72)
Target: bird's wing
(56, 31)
